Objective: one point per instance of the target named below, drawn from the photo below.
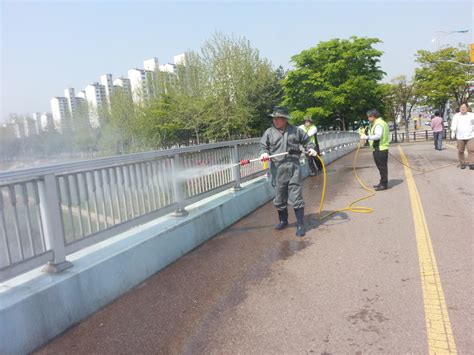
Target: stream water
(201, 171)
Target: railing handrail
(107, 162)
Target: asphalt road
(352, 285)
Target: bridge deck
(352, 284)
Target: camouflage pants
(287, 180)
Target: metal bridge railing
(418, 135)
(50, 212)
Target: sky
(49, 46)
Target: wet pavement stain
(288, 248)
(366, 316)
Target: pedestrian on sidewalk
(285, 170)
(312, 132)
(462, 129)
(437, 127)
(378, 137)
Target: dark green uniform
(285, 170)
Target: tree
(405, 96)
(442, 77)
(159, 125)
(242, 85)
(119, 132)
(335, 81)
(223, 92)
(189, 88)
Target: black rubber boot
(299, 213)
(283, 217)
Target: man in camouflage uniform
(285, 170)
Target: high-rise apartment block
(61, 116)
(72, 110)
(37, 119)
(71, 100)
(168, 68)
(30, 127)
(141, 83)
(151, 64)
(123, 84)
(107, 82)
(46, 122)
(180, 59)
(96, 98)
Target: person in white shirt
(462, 129)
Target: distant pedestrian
(437, 127)
(462, 129)
(312, 132)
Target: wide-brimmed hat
(308, 118)
(280, 111)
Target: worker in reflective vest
(379, 140)
(312, 131)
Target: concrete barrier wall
(36, 307)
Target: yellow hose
(361, 209)
(350, 207)
(422, 170)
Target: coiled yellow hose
(350, 207)
(362, 209)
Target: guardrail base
(181, 213)
(51, 268)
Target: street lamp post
(446, 33)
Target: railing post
(235, 159)
(51, 215)
(426, 132)
(178, 187)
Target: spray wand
(248, 161)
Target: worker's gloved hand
(312, 152)
(264, 157)
(363, 136)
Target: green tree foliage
(400, 97)
(390, 111)
(242, 86)
(122, 120)
(180, 111)
(336, 80)
(223, 92)
(442, 77)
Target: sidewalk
(351, 285)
